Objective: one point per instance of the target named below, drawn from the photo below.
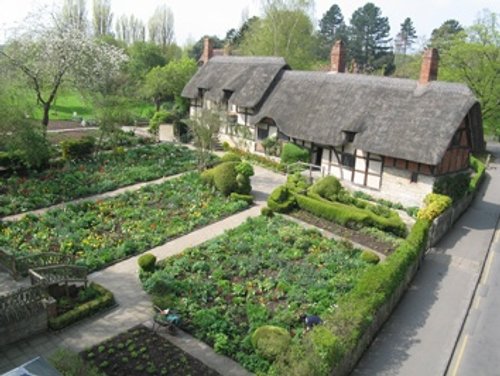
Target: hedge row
(351, 216)
(480, 169)
(106, 299)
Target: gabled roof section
(248, 78)
(393, 117)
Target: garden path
(134, 305)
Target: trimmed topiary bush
(370, 257)
(271, 341)
(435, 205)
(147, 262)
(241, 197)
(281, 200)
(267, 212)
(224, 177)
(78, 149)
(328, 188)
(292, 153)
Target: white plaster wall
(166, 132)
(237, 142)
(396, 185)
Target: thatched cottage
(391, 137)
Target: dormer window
(349, 136)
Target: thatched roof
(248, 78)
(392, 117)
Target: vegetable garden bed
(102, 232)
(109, 171)
(370, 237)
(140, 352)
(265, 272)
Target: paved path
(419, 337)
(134, 304)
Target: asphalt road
(421, 335)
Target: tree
(284, 30)
(161, 26)
(235, 37)
(369, 38)
(137, 30)
(122, 29)
(331, 28)
(444, 34)
(143, 56)
(162, 83)
(197, 49)
(74, 14)
(48, 55)
(406, 36)
(102, 17)
(473, 57)
(204, 127)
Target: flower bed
(140, 352)
(101, 232)
(109, 171)
(265, 272)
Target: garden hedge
(106, 299)
(78, 149)
(292, 153)
(351, 216)
(480, 169)
(435, 204)
(281, 200)
(147, 262)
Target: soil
(140, 351)
(73, 135)
(366, 240)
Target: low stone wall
(25, 328)
(445, 221)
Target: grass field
(69, 102)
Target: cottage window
(347, 160)
(349, 136)
(282, 136)
(262, 133)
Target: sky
(195, 18)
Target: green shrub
(480, 169)
(455, 186)
(224, 177)
(230, 157)
(104, 300)
(325, 345)
(226, 147)
(241, 197)
(272, 146)
(229, 177)
(435, 205)
(292, 153)
(281, 200)
(350, 216)
(370, 257)
(267, 212)
(147, 262)
(78, 149)
(328, 188)
(271, 341)
(297, 183)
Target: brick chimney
(208, 50)
(430, 64)
(337, 57)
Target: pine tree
(369, 38)
(406, 36)
(332, 28)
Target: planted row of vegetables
(265, 272)
(101, 232)
(79, 179)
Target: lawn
(70, 102)
(139, 352)
(109, 171)
(102, 232)
(265, 272)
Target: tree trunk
(45, 120)
(158, 104)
